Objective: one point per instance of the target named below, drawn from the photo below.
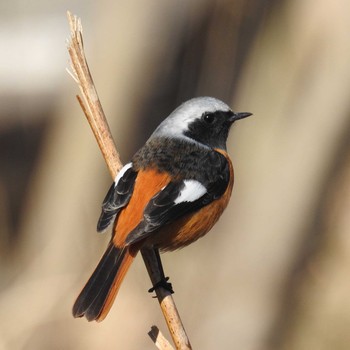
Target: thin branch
(93, 111)
(166, 302)
(90, 102)
(158, 339)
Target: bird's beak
(241, 115)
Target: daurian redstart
(171, 193)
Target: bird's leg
(163, 282)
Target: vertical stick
(93, 111)
(166, 302)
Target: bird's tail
(96, 298)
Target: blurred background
(274, 272)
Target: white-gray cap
(177, 122)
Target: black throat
(211, 129)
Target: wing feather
(117, 197)
(177, 199)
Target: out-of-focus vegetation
(274, 273)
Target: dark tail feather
(96, 298)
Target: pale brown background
(275, 272)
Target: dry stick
(90, 103)
(93, 111)
(166, 302)
(158, 339)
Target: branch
(158, 339)
(90, 102)
(93, 111)
(166, 302)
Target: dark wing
(177, 199)
(117, 197)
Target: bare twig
(159, 340)
(90, 102)
(93, 111)
(166, 302)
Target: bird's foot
(163, 283)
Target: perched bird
(171, 193)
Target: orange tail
(96, 298)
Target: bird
(170, 194)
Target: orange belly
(188, 229)
(176, 234)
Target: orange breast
(193, 226)
(176, 234)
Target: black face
(211, 129)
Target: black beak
(241, 115)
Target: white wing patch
(121, 173)
(192, 191)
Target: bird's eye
(209, 118)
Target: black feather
(117, 197)
(91, 299)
